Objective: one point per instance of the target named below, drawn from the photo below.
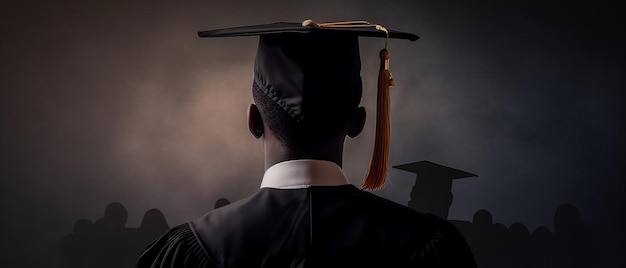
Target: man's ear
(255, 121)
(357, 123)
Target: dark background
(106, 101)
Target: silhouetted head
(566, 219)
(115, 215)
(221, 202)
(519, 232)
(154, 221)
(542, 233)
(483, 218)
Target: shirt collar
(302, 173)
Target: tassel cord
(377, 173)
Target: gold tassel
(377, 173)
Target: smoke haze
(120, 101)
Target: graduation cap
(432, 192)
(321, 61)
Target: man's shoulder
(178, 247)
(251, 216)
(370, 204)
(261, 205)
(333, 216)
(383, 206)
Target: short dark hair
(325, 117)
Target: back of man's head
(307, 87)
(320, 126)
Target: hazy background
(106, 101)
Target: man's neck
(276, 153)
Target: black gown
(319, 226)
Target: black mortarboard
(354, 28)
(320, 60)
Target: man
(307, 90)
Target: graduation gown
(317, 226)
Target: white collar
(302, 173)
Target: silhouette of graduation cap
(310, 62)
(436, 171)
(432, 192)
